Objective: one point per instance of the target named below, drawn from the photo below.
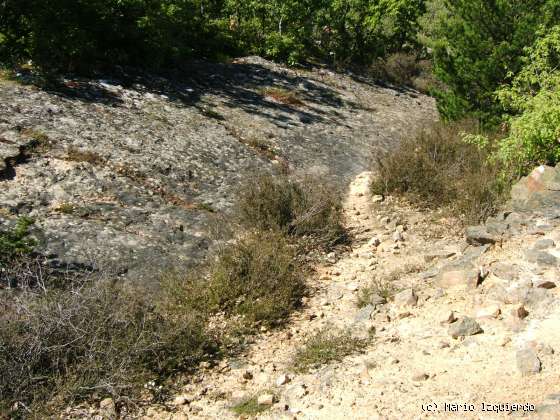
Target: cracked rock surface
(129, 173)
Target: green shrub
(82, 35)
(85, 35)
(437, 169)
(533, 135)
(535, 99)
(16, 241)
(306, 208)
(255, 280)
(325, 347)
(477, 46)
(16, 245)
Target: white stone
(265, 399)
(492, 311)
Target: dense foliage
(478, 45)
(81, 35)
(498, 60)
(533, 101)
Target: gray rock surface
(406, 298)
(132, 173)
(541, 257)
(458, 275)
(544, 244)
(464, 327)
(479, 235)
(365, 313)
(538, 190)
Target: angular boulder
(458, 275)
(539, 190)
(527, 362)
(479, 235)
(465, 327)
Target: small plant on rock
(377, 289)
(249, 407)
(282, 95)
(16, 240)
(77, 155)
(66, 208)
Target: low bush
(306, 208)
(438, 169)
(257, 280)
(398, 68)
(61, 346)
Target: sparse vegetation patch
(76, 155)
(59, 346)
(249, 407)
(378, 288)
(324, 347)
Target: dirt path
(412, 364)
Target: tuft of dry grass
(76, 155)
(262, 147)
(282, 95)
(382, 288)
(249, 407)
(41, 142)
(65, 208)
(325, 347)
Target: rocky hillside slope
(127, 174)
(434, 324)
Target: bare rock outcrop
(128, 173)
